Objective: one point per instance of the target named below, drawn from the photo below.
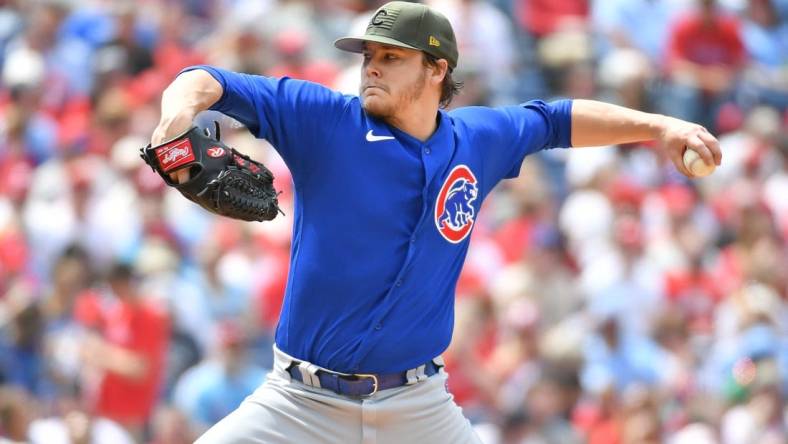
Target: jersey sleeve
(508, 134)
(294, 115)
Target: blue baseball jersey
(381, 219)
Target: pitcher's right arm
(189, 94)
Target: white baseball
(696, 165)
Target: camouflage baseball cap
(408, 25)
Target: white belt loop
(415, 375)
(309, 374)
(411, 377)
(420, 375)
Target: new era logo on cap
(434, 41)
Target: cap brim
(356, 44)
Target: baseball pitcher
(388, 186)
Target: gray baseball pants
(285, 411)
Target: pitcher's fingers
(696, 144)
(677, 157)
(180, 176)
(713, 145)
(183, 175)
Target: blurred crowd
(605, 299)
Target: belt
(358, 384)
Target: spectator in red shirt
(543, 17)
(291, 47)
(130, 350)
(705, 57)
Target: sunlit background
(605, 299)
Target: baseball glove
(221, 180)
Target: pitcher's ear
(440, 68)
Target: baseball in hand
(696, 165)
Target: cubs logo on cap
(454, 212)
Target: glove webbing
(242, 197)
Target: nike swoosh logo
(373, 138)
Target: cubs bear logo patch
(454, 212)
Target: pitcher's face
(392, 79)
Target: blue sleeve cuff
(561, 113)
